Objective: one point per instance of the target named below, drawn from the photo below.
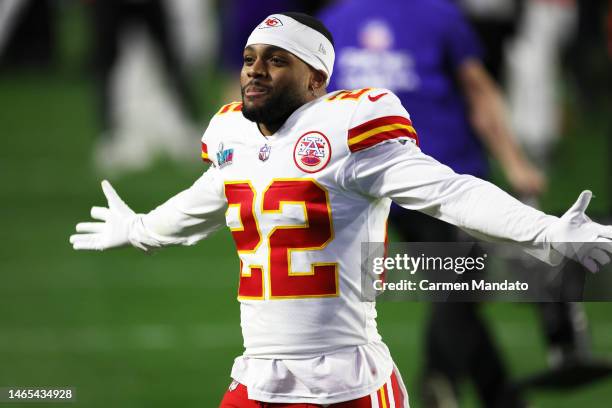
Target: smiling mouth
(255, 91)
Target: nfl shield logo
(264, 152)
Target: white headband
(307, 44)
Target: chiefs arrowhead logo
(270, 23)
(377, 97)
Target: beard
(276, 110)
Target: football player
(302, 177)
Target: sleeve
(217, 126)
(460, 40)
(206, 140)
(205, 156)
(416, 181)
(379, 117)
(186, 218)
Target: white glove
(113, 231)
(569, 234)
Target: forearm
(170, 224)
(487, 113)
(493, 131)
(184, 219)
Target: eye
(276, 60)
(248, 60)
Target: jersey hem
(332, 399)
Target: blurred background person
(523, 42)
(549, 32)
(145, 102)
(534, 57)
(426, 53)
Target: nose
(257, 69)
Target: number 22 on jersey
(315, 234)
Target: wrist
(134, 232)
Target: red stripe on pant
(398, 394)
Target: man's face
(274, 84)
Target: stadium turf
(132, 330)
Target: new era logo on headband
(271, 22)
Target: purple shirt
(414, 48)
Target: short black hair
(311, 22)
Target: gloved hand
(113, 231)
(569, 234)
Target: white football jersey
(298, 230)
(299, 204)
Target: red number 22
(314, 234)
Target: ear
(317, 79)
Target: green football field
(131, 330)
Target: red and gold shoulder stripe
(378, 130)
(349, 95)
(230, 107)
(205, 153)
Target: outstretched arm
(184, 219)
(418, 182)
